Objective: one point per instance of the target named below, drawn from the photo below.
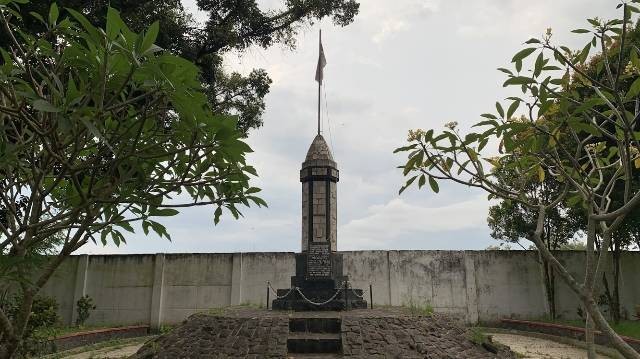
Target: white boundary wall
(166, 288)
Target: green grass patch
(423, 309)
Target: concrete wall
(167, 288)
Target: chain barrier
(276, 293)
(322, 303)
(364, 291)
(305, 298)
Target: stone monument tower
(319, 283)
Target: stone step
(314, 343)
(315, 325)
(313, 356)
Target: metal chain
(322, 303)
(276, 293)
(364, 291)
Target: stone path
(537, 348)
(107, 353)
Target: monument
(319, 283)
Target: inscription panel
(319, 260)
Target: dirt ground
(540, 348)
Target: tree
(511, 221)
(232, 25)
(562, 104)
(99, 128)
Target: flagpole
(319, 83)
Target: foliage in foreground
(100, 128)
(582, 130)
(230, 26)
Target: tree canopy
(580, 129)
(232, 25)
(100, 128)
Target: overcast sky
(402, 64)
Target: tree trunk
(589, 338)
(615, 300)
(549, 288)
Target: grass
(629, 328)
(424, 309)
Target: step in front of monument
(315, 325)
(314, 343)
(313, 335)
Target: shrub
(84, 306)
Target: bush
(84, 306)
(42, 321)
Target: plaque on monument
(319, 260)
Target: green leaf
(422, 181)
(145, 227)
(634, 90)
(518, 80)
(53, 14)
(519, 65)
(434, 185)
(538, 65)
(216, 215)
(512, 108)
(409, 182)
(150, 37)
(580, 31)
(44, 106)
(584, 54)
(91, 30)
(500, 109)
(113, 23)
(164, 212)
(522, 54)
(38, 17)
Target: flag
(322, 62)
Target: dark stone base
(294, 300)
(319, 290)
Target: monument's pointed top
(319, 150)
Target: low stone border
(562, 331)
(79, 339)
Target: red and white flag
(322, 62)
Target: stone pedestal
(319, 289)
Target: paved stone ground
(434, 337)
(207, 336)
(259, 333)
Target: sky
(400, 65)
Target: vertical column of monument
(319, 235)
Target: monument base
(308, 293)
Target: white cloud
(385, 224)
(434, 62)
